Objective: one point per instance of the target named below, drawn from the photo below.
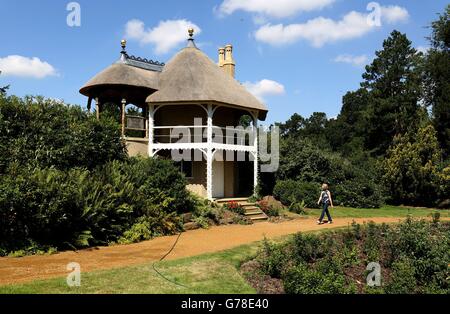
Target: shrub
(302, 279)
(272, 259)
(403, 278)
(45, 133)
(268, 209)
(130, 201)
(290, 192)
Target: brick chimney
(226, 61)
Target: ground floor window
(186, 167)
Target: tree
(437, 79)
(40, 132)
(412, 168)
(393, 82)
(346, 133)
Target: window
(186, 167)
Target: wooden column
(145, 114)
(150, 129)
(124, 103)
(97, 108)
(255, 161)
(209, 154)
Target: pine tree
(393, 81)
(437, 79)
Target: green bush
(289, 192)
(272, 259)
(45, 133)
(302, 279)
(120, 201)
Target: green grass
(207, 273)
(385, 211)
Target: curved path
(191, 243)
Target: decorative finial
(191, 32)
(123, 43)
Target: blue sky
(301, 56)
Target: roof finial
(123, 43)
(191, 43)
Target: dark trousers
(325, 211)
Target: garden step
(255, 211)
(260, 217)
(226, 200)
(246, 204)
(252, 207)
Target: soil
(191, 243)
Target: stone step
(251, 207)
(260, 217)
(226, 200)
(246, 204)
(253, 212)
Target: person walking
(326, 200)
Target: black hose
(162, 258)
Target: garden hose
(162, 258)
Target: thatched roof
(124, 75)
(191, 76)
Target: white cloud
(357, 61)
(164, 37)
(264, 88)
(393, 14)
(15, 65)
(277, 9)
(423, 49)
(320, 31)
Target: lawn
(385, 211)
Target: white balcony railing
(199, 134)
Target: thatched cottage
(189, 94)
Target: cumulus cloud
(20, 66)
(393, 14)
(320, 31)
(423, 49)
(277, 9)
(265, 88)
(164, 37)
(357, 61)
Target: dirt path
(191, 243)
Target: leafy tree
(313, 128)
(346, 134)
(412, 168)
(437, 79)
(40, 132)
(394, 83)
